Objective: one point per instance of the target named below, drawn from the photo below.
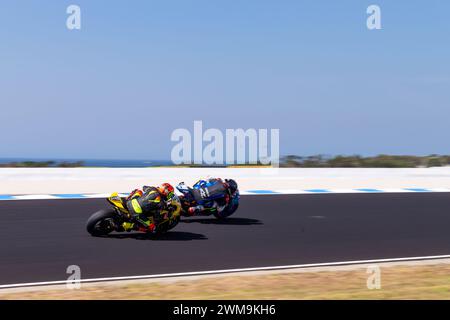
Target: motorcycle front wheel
(167, 225)
(226, 212)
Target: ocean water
(98, 162)
(126, 163)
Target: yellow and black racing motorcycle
(106, 221)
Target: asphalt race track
(39, 239)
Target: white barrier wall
(106, 180)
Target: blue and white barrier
(4, 197)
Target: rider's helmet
(166, 190)
(232, 185)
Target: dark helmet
(232, 185)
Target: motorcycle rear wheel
(101, 223)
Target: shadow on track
(227, 221)
(169, 236)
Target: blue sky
(137, 70)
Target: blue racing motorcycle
(214, 196)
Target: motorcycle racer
(148, 202)
(211, 187)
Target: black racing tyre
(98, 224)
(162, 228)
(167, 225)
(173, 223)
(226, 212)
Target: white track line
(440, 190)
(212, 272)
(97, 195)
(35, 197)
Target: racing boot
(127, 226)
(150, 228)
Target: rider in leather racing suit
(151, 201)
(215, 206)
